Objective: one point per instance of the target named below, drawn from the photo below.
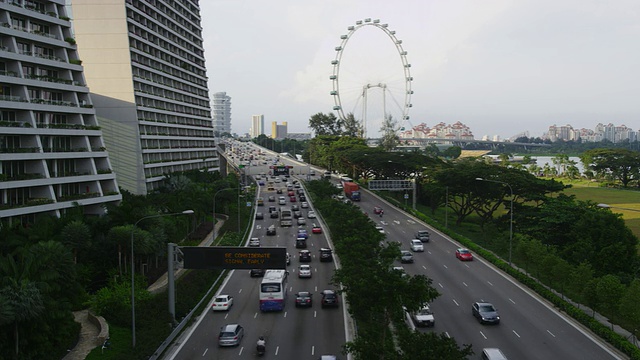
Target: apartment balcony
(49, 205)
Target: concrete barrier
(102, 325)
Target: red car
(377, 210)
(316, 229)
(464, 255)
(292, 199)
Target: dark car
(302, 198)
(304, 256)
(302, 233)
(259, 216)
(485, 312)
(273, 215)
(422, 235)
(377, 210)
(301, 243)
(329, 298)
(271, 230)
(256, 272)
(292, 199)
(272, 209)
(326, 254)
(295, 208)
(303, 299)
(271, 198)
(279, 191)
(297, 214)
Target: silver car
(230, 335)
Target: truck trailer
(351, 190)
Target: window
(265, 288)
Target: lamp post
(133, 288)
(510, 213)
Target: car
(464, 254)
(304, 299)
(380, 229)
(300, 192)
(297, 214)
(291, 192)
(260, 201)
(259, 216)
(400, 269)
(304, 256)
(423, 317)
(292, 199)
(304, 271)
(326, 254)
(295, 207)
(273, 215)
(302, 221)
(312, 172)
(416, 245)
(339, 186)
(254, 242)
(311, 214)
(288, 259)
(304, 205)
(261, 183)
(485, 312)
(377, 210)
(296, 186)
(422, 235)
(492, 354)
(271, 198)
(230, 335)
(302, 198)
(316, 229)
(279, 191)
(271, 230)
(272, 209)
(302, 233)
(329, 298)
(222, 303)
(301, 243)
(406, 257)
(282, 201)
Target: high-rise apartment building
(52, 154)
(144, 63)
(221, 113)
(278, 131)
(257, 126)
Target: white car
(311, 214)
(416, 245)
(254, 242)
(222, 303)
(423, 317)
(304, 205)
(380, 229)
(304, 271)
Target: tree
(352, 127)
(622, 164)
(609, 291)
(76, 235)
(431, 345)
(629, 308)
(390, 138)
(325, 124)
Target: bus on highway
(286, 216)
(273, 290)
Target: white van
(492, 354)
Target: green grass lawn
(625, 202)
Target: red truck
(351, 190)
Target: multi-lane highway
(529, 329)
(295, 333)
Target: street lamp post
(133, 288)
(510, 213)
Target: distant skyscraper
(221, 113)
(144, 63)
(257, 126)
(52, 154)
(278, 131)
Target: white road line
(205, 352)
(277, 348)
(481, 333)
(411, 221)
(455, 302)
(465, 284)
(447, 333)
(241, 349)
(285, 314)
(441, 286)
(489, 282)
(315, 313)
(518, 335)
(467, 265)
(512, 301)
(445, 266)
(226, 315)
(313, 350)
(255, 315)
(550, 333)
(239, 291)
(397, 222)
(424, 267)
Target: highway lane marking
(441, 286)
(489, 282)
(465, 264)
(277, 348)
(424, 267)
(226, 315)
(411, 221)
(455, 302)
(447, 334)
(285, 314)
(313, 350)
(205, 352)
(240, 291)
(428, 251)
(481, 333)
(518, 335)
(315, 313)
(255, 315)
(551, 333)
(445, 266)
(397, 222)
(512, 301)
(465, 284)
(241, 349)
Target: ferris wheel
(352, 94)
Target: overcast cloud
(500, 67)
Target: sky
(500, 67)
